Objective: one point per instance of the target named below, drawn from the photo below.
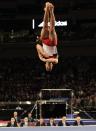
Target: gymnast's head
(48, 66)
(38, 40)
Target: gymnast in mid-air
(46, 44)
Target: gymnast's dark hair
(38, 41)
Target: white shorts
(50, 50)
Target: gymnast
(46, 44)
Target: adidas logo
(57, 23)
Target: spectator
(51, 122)
(12, 123)
(15, 115)
(78, 121)
(40, 122)
(25, 123)
(63, 122)
(30, 118)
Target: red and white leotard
(49, 42)
(50, 47)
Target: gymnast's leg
(52, 32)
(44, 31)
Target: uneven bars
(56, 89)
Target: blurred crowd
(21, 79)
(14, 36)
(73, 32)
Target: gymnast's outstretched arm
(45, 59)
